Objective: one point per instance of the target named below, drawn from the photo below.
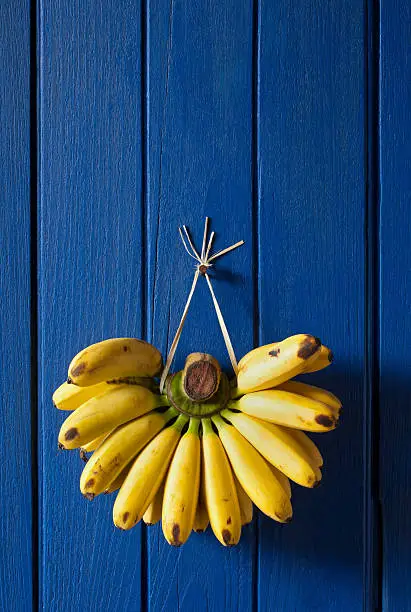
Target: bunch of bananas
(206, 449)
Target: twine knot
(203, 264)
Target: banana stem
(162, 400)
(207, 427)
(236, 392)
(194, 426)
(218, 421)
(171, 413)
(181, 421)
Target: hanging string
(203, 263)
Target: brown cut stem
(201, 377)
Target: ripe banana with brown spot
(181, 488)
(114, 358)
(246, 505)
(289, 409)
(325, 358)
(153, 513)
(270, 365)
(118, 449)
(221, 494)
(103, 413)
(315, 393)
(254, 474)
(146, 475)
(277, 446)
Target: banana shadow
(327, 531)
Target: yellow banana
(282, 478)
(70, 397)
(146, 475)
(91, 446)
(246, 505)
(103, 413)
(277, 446)
(308, 445)
(316, 393)
(221, 495)
(182, 486)
(325, 358)
(117, 482)
(118, 449)
(254, 474)
(201, 519)
(153, 513)
(114, 358)
(289, 409)
(270, 365)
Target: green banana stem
(181, 421)
(161, 400)
(194, 426)
(207, 427)
(171, 413)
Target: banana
(91, 446)
(325, 358)
(70, 397)
(277, 446)
(270, 365)
(146, 475)
(289, 409)
(118, 449)
(308, 445)
(254, 474)
(182, 486)
(201, 520)
(103, 413)
(321, 395)
(282, 478)
(114, 358)
(221, 495)
(153, 513)
(117, 482)
(246, 505)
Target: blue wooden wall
(287, 122)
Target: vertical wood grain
(395, 279)
(91, 266)
(311, 164)
(199, 68)
(16, 580)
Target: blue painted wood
(395, 254)
(90, 274)
(199, 163)
(311, 279)
(15, 413)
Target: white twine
(204, 262)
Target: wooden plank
(395, 278)
(311, 270)
(91, 262)
(15, 356)
(199, 121)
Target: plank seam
(34, 307)
(144, 242)
(372, 506)
(255, 194)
